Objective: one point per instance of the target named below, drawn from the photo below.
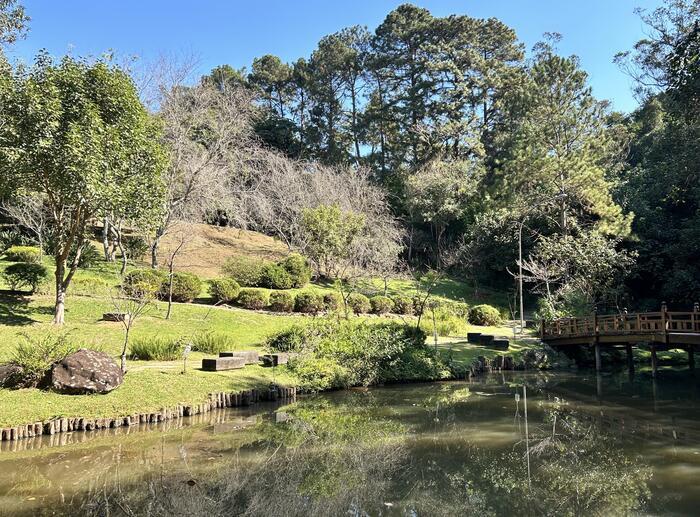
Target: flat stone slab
(115, 316)
(220, 364)
(276, 359)
(473, 337)
(486, 340)
(500, 344)
(250, 356)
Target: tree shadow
(15, 310)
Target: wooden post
(654, 361)
(598, 360)
(630, 357)
(696, 317)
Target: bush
(281, 301)
(25, 274)
(88, 257)
(30, 254)
(381, 304)
(446, 323)
(34, 355)
(247, 272)
(186, 287)
(403, 305)
(211, 343)
(309, 302)
(332, 301)
(273, 276)
(12, 237)
(359, 303)
(136, 246)
(351, 353)
(253, 299)
(298, 269)
(156, 349)
(485, 315)
(143, 281)
(224, 290)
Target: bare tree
(131, 305)
(30, 212)
(182, 237)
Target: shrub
(224, 290)
(146, 281)
(281, 301)
(446, 323)
(298, 269)
(273, 276)
(211, 343)
(23, 254)
(253, 299)
(88, 257)
(309, 302)
(34, 355)
(403, 305)
(332, 301)
(359, 303)
(156, 349)
(136, 246)
(351, 353)
(12, 237)
(485, 315)
(381, 304)
(186, 287)
(25, 274)
(247, 272)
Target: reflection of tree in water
(356, 456)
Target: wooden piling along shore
(215, 401)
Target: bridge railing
(663, 321)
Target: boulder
(85, 371)
(10, 375)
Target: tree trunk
(60, 306)
(170, 293)
(124, 348)
(154, 248)
(105, 238)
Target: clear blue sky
(236, 31)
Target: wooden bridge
(661, 330)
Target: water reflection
(529, 444)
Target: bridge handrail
(654, 322)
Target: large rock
(10, 375)
(85, 371)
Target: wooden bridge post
(654, 361)
(596, 341)
(664, 321)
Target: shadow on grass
(15, 310)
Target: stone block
(250, 356)
(473, 337)
(219, 364)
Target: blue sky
(236, 31)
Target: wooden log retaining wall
(214, 401)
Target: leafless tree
(182, 237)
(131, 305)
(30, 212)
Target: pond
(512, 443)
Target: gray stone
(473, 337)
(115, 316)
(250, 356)
(10, 375)
(485, 340)
(219, 364)
(500, 344)
(276, 359)
(85, 371)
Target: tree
(30, 212)
(79, 136)
(13, 21)
(130, 306)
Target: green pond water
(580, 444)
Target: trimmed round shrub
(186, 287)
(485, 315)
(253, 299)
(309, 302)
(273, 276)
(403, 305)
(359, 303)
(298, 269)
(224, 290)
(332, 301)
(143, 281)
(281, 301)
(381, 304)
(23, 254)
(25, 275)
(246, 271)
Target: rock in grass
(85, 371)
(10, 375)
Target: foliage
(281, 301)
(210, 342)
(485, 315)
(143, 281)
(23, 254)
(185, 287)
(357, 353)
(136, 246)
(332, 301)
(35, 354)
(298, 268)
(274, 276)
(403, 305)
(253, 299)
(381, 304)
(10, 237)
(156, 349)
(359, 303)
(224, 290)
(310, 302)
(89, 256)
(25, 274)
(244, 270)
